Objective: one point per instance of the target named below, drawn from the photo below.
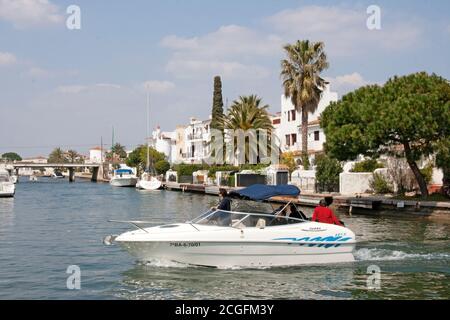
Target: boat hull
(230, 247)
(229, 255)
(7, 190)
(153, 184)
(123, 182)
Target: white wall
(352, 182)
(304, 179)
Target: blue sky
(68, 88)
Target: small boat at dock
(123, 178)
(57, 175)
(7, 186)
(148, 182)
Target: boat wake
(375, 254)
(160, 263)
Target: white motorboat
(33, 178)
(148, 182)
(242, 239)
(7, 187)
(57, 175)
(123, 178)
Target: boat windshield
(4, 178)
(245, 219)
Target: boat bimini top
(123, 171)
(261, 192)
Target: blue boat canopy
(260, 192)
(124, 171)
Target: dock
(344, 204)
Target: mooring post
(71, 174)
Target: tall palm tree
(247, 113)
(302, 83)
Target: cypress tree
(217, 108)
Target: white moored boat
(57, 175)
(148, 182)
(123, 178)
(7, 187)
(242, 239)
(14, 179)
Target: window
(316, 135)
(289, 116)
(294, 139)
(294, 113)
(288, 140)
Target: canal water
(51, 225)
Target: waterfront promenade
(370, 204)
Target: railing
(208, 218)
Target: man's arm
(335, 219)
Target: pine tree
(217, 109)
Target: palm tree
(73, 156)
(246, 113)
(57, 156)
(302, 83)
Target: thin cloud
(26, 13)
(7, 59)
(71, 89)
(347, 82)
(158, 87)
(344, 30)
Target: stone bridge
(97, 169)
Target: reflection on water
(50, 225)
(6, 215)
(161, 282)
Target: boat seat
(261, 224)
(237, 226)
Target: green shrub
(162, 166)
(327, 173)
(188, 169)
(380, 184)
(214, 169)
(369, 165)
(427, 173)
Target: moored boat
(123, 178)
(7, 186)
(148, 182)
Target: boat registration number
(184, 244)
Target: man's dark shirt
(225, 204)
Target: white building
(290, 127)
(165, 142)
(95, 156)
(196, 141)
